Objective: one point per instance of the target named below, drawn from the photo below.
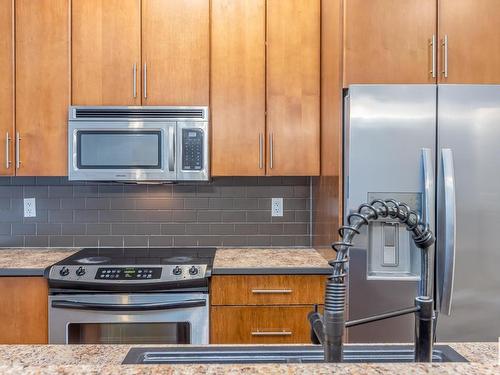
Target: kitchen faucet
(328, 329)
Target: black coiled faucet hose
(335, 293)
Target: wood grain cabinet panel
(260, 325)
(175, 51)
(388, 41)
(238, 102)
(42, 35)
(267, 290)
(106, 52)
(293, 87)
(24, 310)
(473, 31)
(6, 86)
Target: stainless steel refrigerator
(436, 147)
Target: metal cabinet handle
(272, 291)
(18, 150)
(145, 81)
(433, 47)
(171, 149)
(134, 81)
(261, 151)
(7, 151)
(271, 150)
(427, 262)
(271, 333)
(447, 249)
(445, 59)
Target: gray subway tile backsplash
(228, 211)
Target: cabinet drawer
(259, 324)
(268, 290)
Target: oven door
(121, 151)
(129, 318)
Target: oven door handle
(63, 304)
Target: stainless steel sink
(281, 354)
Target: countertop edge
(271, 271)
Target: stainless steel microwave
(138, 143)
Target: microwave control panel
(192, 149)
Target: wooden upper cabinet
(42, 86)
(238, 101)
(293, 87)
(389, 41)
(106, 49)
(6, 86)
(24, 308)
(473, 31)
(175, 51)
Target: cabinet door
(24, 309)
(175, 50)
(260, 324)
(106, 49)
(389, 41)
(6, 86)
(473, 32)
(238, 87)
(42, 86)
(293, 87)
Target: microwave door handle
(171, 149)
(448, 268)
(74, 305)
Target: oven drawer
(260, 324)
(268, 290)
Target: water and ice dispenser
(391, 253)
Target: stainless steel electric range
(130, 296)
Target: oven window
(129, 333)
(119, 149)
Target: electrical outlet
(29, 207)
(277, 207)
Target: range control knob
(193, 270)
(80, 271)
(177, 270)
(64, 271)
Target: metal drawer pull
(145, 83)
(272, 291)
(18, 150)
(7, 151)
(261, 150)
(433, 46)
(271, 150)
(445, 62)
(134, 83)
(271, 333)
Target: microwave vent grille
(140, 113)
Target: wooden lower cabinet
(259, 324)
(23, 314)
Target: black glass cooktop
(138, 256)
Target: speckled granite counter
(269, 261)
(32, 261)
(106, 359)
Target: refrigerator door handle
(447, 269)
(427, 261)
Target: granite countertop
(106, 359)
(30, 261)
(274, 261)
(228, 261)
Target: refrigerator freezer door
(390, 140)
(469, 125)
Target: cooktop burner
(133, 269)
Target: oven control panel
(130, 273)
(127, 274)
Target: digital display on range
(128, 273)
